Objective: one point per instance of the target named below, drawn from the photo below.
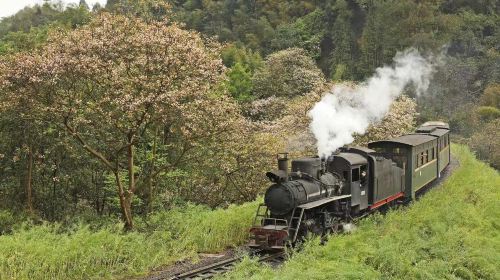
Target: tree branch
(87, 147)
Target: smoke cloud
(348, 110)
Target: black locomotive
(322, 195)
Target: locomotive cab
(354, 170)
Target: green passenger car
(441, 131)
(423, 155)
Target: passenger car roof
(409, 140)
(435, 124)
(439, 132)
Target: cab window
(355, 174)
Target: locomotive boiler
(309, 181)
(321, 195)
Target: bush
(488, 113)
(491, 96)
(450, 233)
(7, 221)
(10, 221)
(485, 142)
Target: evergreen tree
(239, 82)
(342, 35)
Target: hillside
(450, 233)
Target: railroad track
(209, 271)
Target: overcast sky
(10, 7)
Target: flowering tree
(118, 84)
(287, 73)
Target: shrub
(7, 221)
(491, 96)
(485, 142)
(488, 113)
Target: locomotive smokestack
(283, 163)
(280, 175)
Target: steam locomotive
(323, 195)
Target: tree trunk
(131, 176)
(29, 179)
(127, 195)
(124, 203)
(150, 180)
(54, 186)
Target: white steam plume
(348, 110)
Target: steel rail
(209, 271)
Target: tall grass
(451, 233)
(49, 252)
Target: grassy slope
(451, 233)
(42, 253)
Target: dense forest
(137, 110)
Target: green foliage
(487, 113)
(53, 252)
(346, 39)
(491, 96)
(453, 95)
(243, 63)
(29, 17)
(44, 15)
(14, 42)
(393, 25)
(485, 142)
(8, 221)
(29, 28)
(239, 82)
(305, 33)
(342, 55)
(450, 233)
(232, 54)
(340, 72)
